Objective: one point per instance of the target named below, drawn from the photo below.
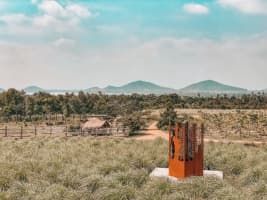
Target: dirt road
(152, 132)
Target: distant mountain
(212, 87)
(2, 90)
(93, 90)
(59, 91)
(33, 89)
(140, 87)
(113, 90)
(36, 89)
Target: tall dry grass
(118, 169)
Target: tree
(134, 122)
(29, 106)
(169, 116)
(14, 103)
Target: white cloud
(231, 61)
(45, 20)
(78, 11)
(194, 8)
(14, 18)
(34, 1)
(59, 18)
(246, 6)
(52, 18)
(53, 24)
(64, 42)
(52, 8)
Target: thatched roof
(95, 123)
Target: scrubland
(226, 124)
(118, 169)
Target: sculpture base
(164, 173)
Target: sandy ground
(152, 133)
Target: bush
(73, 128)
(169, 116)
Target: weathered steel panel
(186, 145)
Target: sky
(77, 44)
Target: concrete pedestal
(164, 173)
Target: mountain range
(207, 87)
(141, 87)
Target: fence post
(35, 131)
(50, 130)
(6, 131)
(66, 134)
(21, 133)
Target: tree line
(18, 103)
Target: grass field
(114, 169)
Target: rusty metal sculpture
(186, 150)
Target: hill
(93, 90)
(36, 89)
(2, 90)
(210, 86)
(33, 89)
(140, 87)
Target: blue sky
(84, 43)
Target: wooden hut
(95, 123)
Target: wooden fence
(105, 132)
(28, 132)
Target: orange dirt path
(152, 133)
